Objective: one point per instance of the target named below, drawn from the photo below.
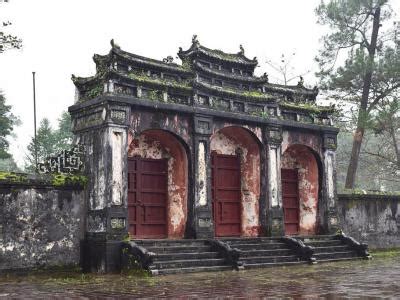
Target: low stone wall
(41, 224)
(372, 219)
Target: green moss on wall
(63, 180)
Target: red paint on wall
(300, 157)
(162, 144)
(231, 141)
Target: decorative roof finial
(168, 59)
(241, 52)
(265, 76)
(301, 82)
(113, 44)
(195, 40)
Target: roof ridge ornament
(241, 52)
(195, 41)
(114, 45)
(301, 82)
(265, 77)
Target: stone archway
(161, 155)
(236, 153)
(300, 190)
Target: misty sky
(60, 38)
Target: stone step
(341, 248)
(334, 255)
(262, 252)
(178, 249)
(187, 263)
(167, 243)
(177, 256)
(269, 265)
(269, 259)
(324, 243)
(339, 259)
(315, 237)
(260, 246)
(191, 270)
(250, 240)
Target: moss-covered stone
(63, 180)
(13, 177)
(142, 78)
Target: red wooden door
(147, 197)
(226, 194)
(290, 195)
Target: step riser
(260, 260)
(324, 244)
(188, 264)
(194, 270)
(170, 244)
(332, 249)
(261, 246)
(180, 256)
(335, 255)
(175, 250)
(266, 253)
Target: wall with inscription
(40, 225)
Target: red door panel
(226, 193)
(147, 197)
(290, 196)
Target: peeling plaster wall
(300, 157)
(302, 138)
(371, 219)
(157, 144)
(230, 141)
(41, 227)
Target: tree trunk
(362, 113)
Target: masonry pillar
(330, 217)
(273, 140)
(204, 223)
(103, 131)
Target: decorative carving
(118, 116)
(241, 52)
(66, 162)
(301, 82)
(168, 59)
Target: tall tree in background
(8, 41)
(63, 134)
(7, 123)
(49, 141)
(370, 72)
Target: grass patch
(385, 253)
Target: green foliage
(49, 141)
(139, 77)
(7, 123)
(62, 180)
(8, 41)
(94, 92)
(13, 177)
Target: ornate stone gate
(183, 113)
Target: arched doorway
(157, 185)
(300, 189)
(235, 156)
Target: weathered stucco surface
(301, 158)
(157, 144)
(232, 141)
(372, 219)
(40, 227)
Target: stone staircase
(330, 248)
(183, 256)
(187, 256)
(263, 252)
